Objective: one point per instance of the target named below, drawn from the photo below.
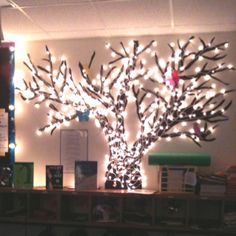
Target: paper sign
(3, 132)
(74, 146)
(190, 178)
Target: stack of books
(231, 181)
(230, 219)
(176, 179)
(212, 185)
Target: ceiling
(62, 19)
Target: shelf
(120, 209)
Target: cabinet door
(229, 215)
(171, 211)
(106, 208)
(44, 207)
(206, 213)
(137, 210)
(13, 206)
(75, 208)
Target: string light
(170, 101)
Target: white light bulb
(200, 48)
(216, 50)
(162, 62)
(12, 49)
(36, 105)
(38, 132)
(200, 58)
(63, 58)
(53, 59)
(213, 86)
(107, 45)
(181, 43)
(168, 139)
(12, 145)
(207, 77)
(223, 91)
(154, 43)
(11, 107)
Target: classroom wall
(45, 149)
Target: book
(23, 175)
(85, 175)
(6, 175)
(54, 176)
(177, 179)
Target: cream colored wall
(45, 149)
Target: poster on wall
(73, 147)
(7, 101)
(3, 132)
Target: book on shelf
(212, 190)
(85, 175)
(54, 176)
(6, 175)
(212, 185)
(23, 175)
(177, 179)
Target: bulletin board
(7, 114)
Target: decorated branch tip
(183, 96)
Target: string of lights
(183, 96)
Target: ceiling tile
(134, 14)
(67, 18)
(204, 13)
(15, 23)
(4, 3)
(98, 18)
(37, 3)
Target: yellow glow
(200, 48)
(168, 139)
(18, 148)
(20, 51)
(39, 133)
(18, 108)
(107, 45)
(63, 58)
(18, 79)
(154, 44)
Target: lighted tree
(182, 96)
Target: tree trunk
(123, 171)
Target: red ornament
(197, 129)
(173, 79)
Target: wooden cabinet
(75, 208)
(119, 209)
(13, 207)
